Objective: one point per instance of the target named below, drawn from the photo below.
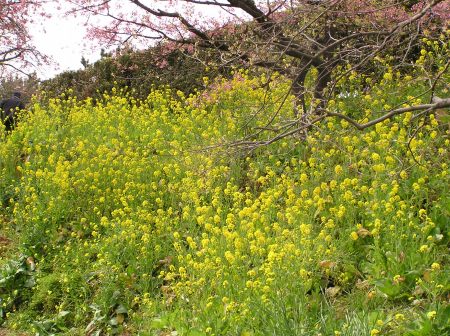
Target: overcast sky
(63, 39)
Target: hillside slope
(126, 224)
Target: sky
(63, 39)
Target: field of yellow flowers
(127, 220)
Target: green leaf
(63, 313)
(121, 310)
(30, 282)
(113, 322)
(158, 323)
(116, 295)
(388, 288)
(195, 332)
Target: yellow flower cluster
(123, 194)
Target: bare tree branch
(440, 103)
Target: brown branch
(436, 79)
(389, 36)
(439, 103)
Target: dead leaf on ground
(332, 291)
(327, 264)
(362, 232)
(31, 264)
(362, 285)
(4, 241)
(166, 261)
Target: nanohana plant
(135, 228)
